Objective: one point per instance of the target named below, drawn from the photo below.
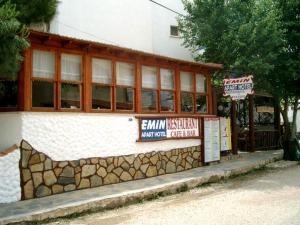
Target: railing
(263, 140)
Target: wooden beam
(45, 39)
(65, 43)
(234, 128)
(86, 47)
(251, 123)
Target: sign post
(238, 89)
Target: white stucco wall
(126, 23)
(163, 42)
(10, 129)
(137, 24)
(70, 136)
(10, 190)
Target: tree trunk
(290, 143)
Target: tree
(12, 40)
(15, 16)
(286, 75)
(249, 37)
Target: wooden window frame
(54, 80)
(157, 90)
(80, 83)
(111, 85)
(134, 99)
(169, 90)
(85, 84)
(201, 93)
(189, 92)
(195, 93)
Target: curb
(133, 196)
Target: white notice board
(211, 139)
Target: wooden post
(251, 124)
(214, 101)
(234, 128)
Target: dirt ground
(264, 197)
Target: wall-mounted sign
(264, 109)
(238, 88)
(155, 129)
(225, 134)
(211, 139)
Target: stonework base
(41, 176)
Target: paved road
(271, 197)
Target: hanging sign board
(225, 134)
(238, 88)
(156, 129)
(211, 139)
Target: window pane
(8, 93)
(70, 67)
(124, 98)
(70, 96)
(149, 100)
(101, 71)
(167, 101)
(125, 74)
(167, 79)
(186, 102)
(186, 81)
(201, 103)
(149, 77)
(200, 83)
(43, 64)
(174, 30)
(42, 94)
(101, 97)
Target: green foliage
(12, 40)
(242, 35)
(14, 16)
(258, 37)
(36, 11)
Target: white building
(138, 24)
(108, 96)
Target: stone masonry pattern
(41, 176)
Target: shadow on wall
(41, 176)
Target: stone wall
(41, 176)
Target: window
(8, 92)
(101, 84)
(201, 104)
(167, 93)
(125, 83)
(149, 88)
(71, 81)
(174, 31)
(187, 92)
(193, 93)
(43, 76)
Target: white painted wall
(126, 23)
(136, 24)
(10, 190)
(10, 129)
(70, 136)
(163, 42)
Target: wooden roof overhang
(58, 41)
